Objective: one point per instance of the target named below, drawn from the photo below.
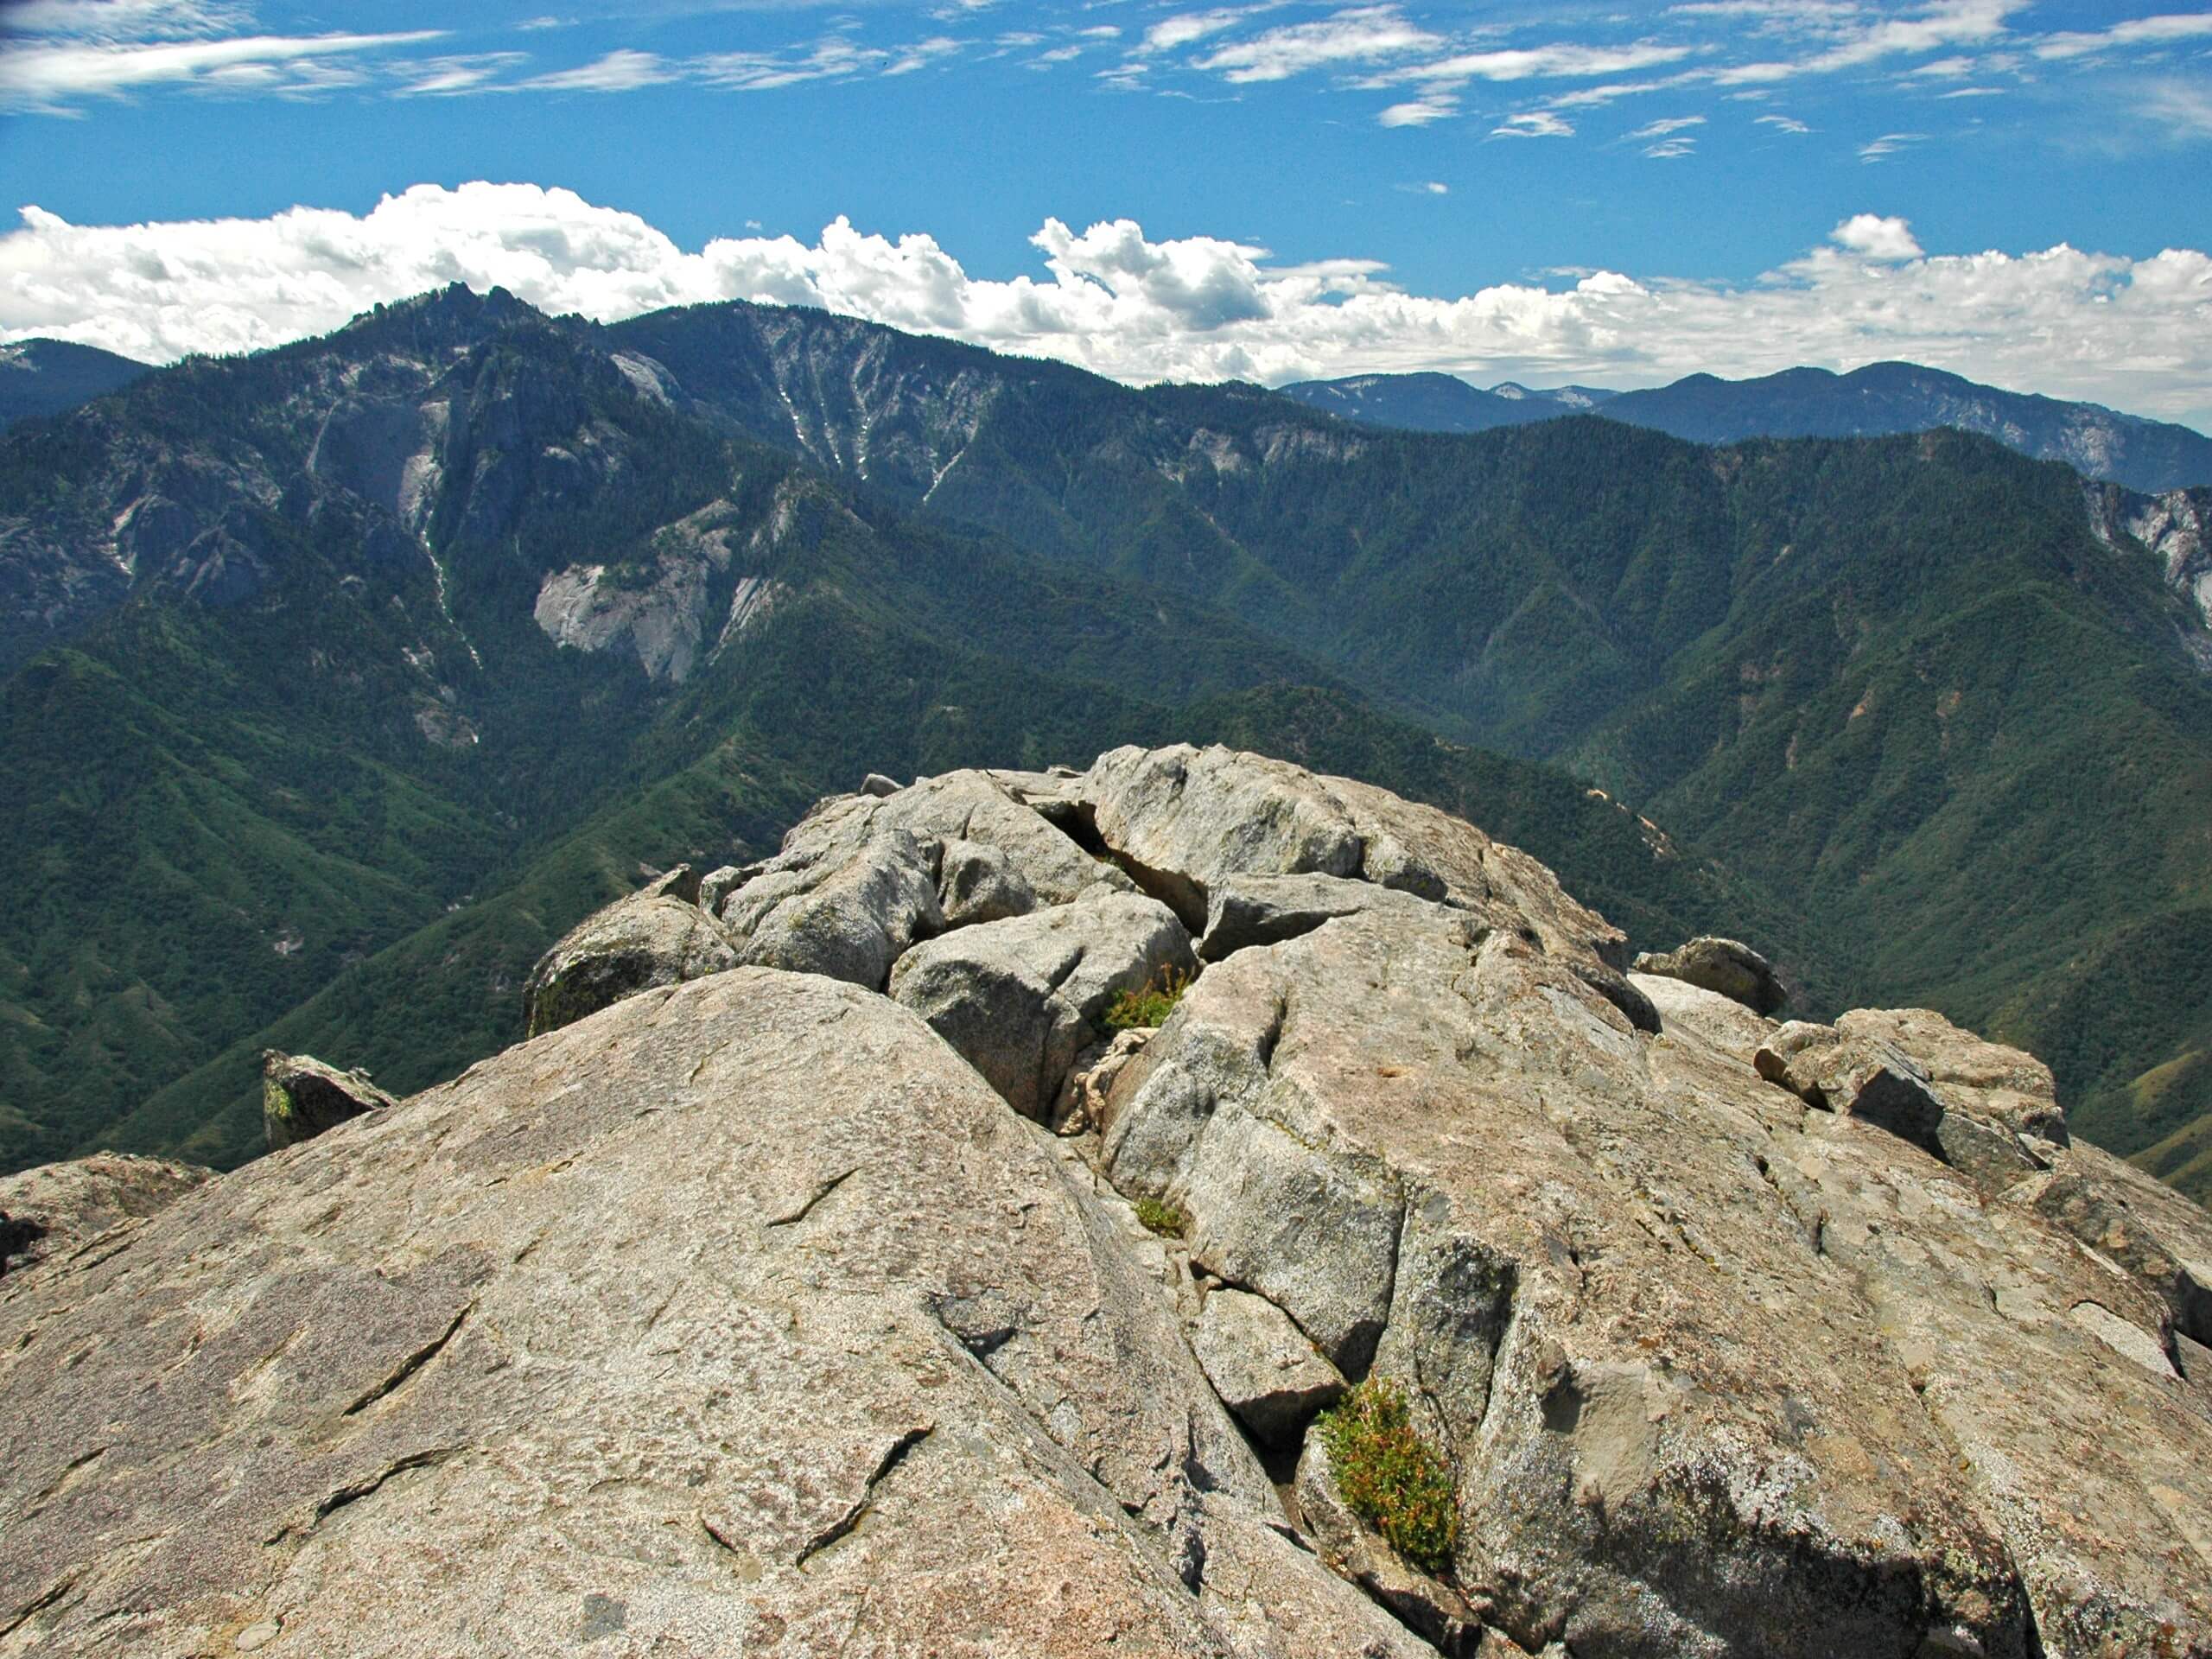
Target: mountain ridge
(41, 378)
(1879, 399)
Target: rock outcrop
(744, 1313)
(301, 1098)
(657, 936)
(739, 1318)
(1728, 967)
(1019, 999)
(1262, 1366)
(59, 1210)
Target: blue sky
(1612, 193)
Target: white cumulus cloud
(2136, 333)
(1876, 236)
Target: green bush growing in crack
(1161, 1217)
(1150, 1005)
(1392, 1479)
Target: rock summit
(837, 1269)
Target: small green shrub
(1392, 1478)
(1152, 1005)
(1162, 1219)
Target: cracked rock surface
(746, 1315)
(741, 1317)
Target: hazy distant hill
(46, 376)
(1887, 398)
(1880, 400)
(1440, 403)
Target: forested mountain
(1880, 400)
(49, 377)
(376, 660)
(1440, 403)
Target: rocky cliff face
(831, 1276)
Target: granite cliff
(838, 1269)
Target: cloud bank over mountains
(2132, 332)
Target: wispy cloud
(1188, 28)
(621, 71)
(52, 76)
(1889, 145)
(1533, 123)
(834, 57)
(448, 77)
(1362, 35)
(1946, 23)
(2141, 31)
(1556, 61)
(2184, 108)
(125, 20)
(1661, 129)
(1420, 112)
(1613, 92)
(1781, 123)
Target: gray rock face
(1262, 1366)
(846, 912)
(1727, 967)
(1999, 1085)
(707, 1357)
(59, 1210)
(1989, 1120)
(1242, 910)
(979, 883)
(657, 936)
(301, 1098)
(1019, 999)
(1182, 820)
(2126, 1218)
(1003, 811)
(1617, 1303)
(865, 877)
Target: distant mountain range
(50, 377)
(1881, 400)
(47, 377)
(1441, 403)
(336, 681)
